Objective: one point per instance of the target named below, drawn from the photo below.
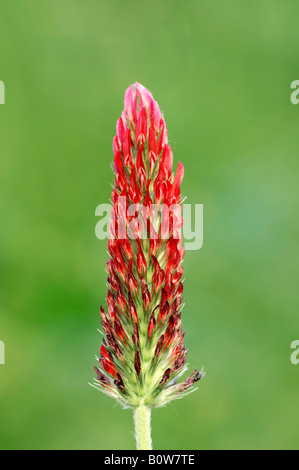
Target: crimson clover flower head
(143, 353)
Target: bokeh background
(221, 71)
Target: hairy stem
(142, 420)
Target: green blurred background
(221, 71)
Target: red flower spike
(144, 343)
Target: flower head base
(143, 353)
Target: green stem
(142, 420)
